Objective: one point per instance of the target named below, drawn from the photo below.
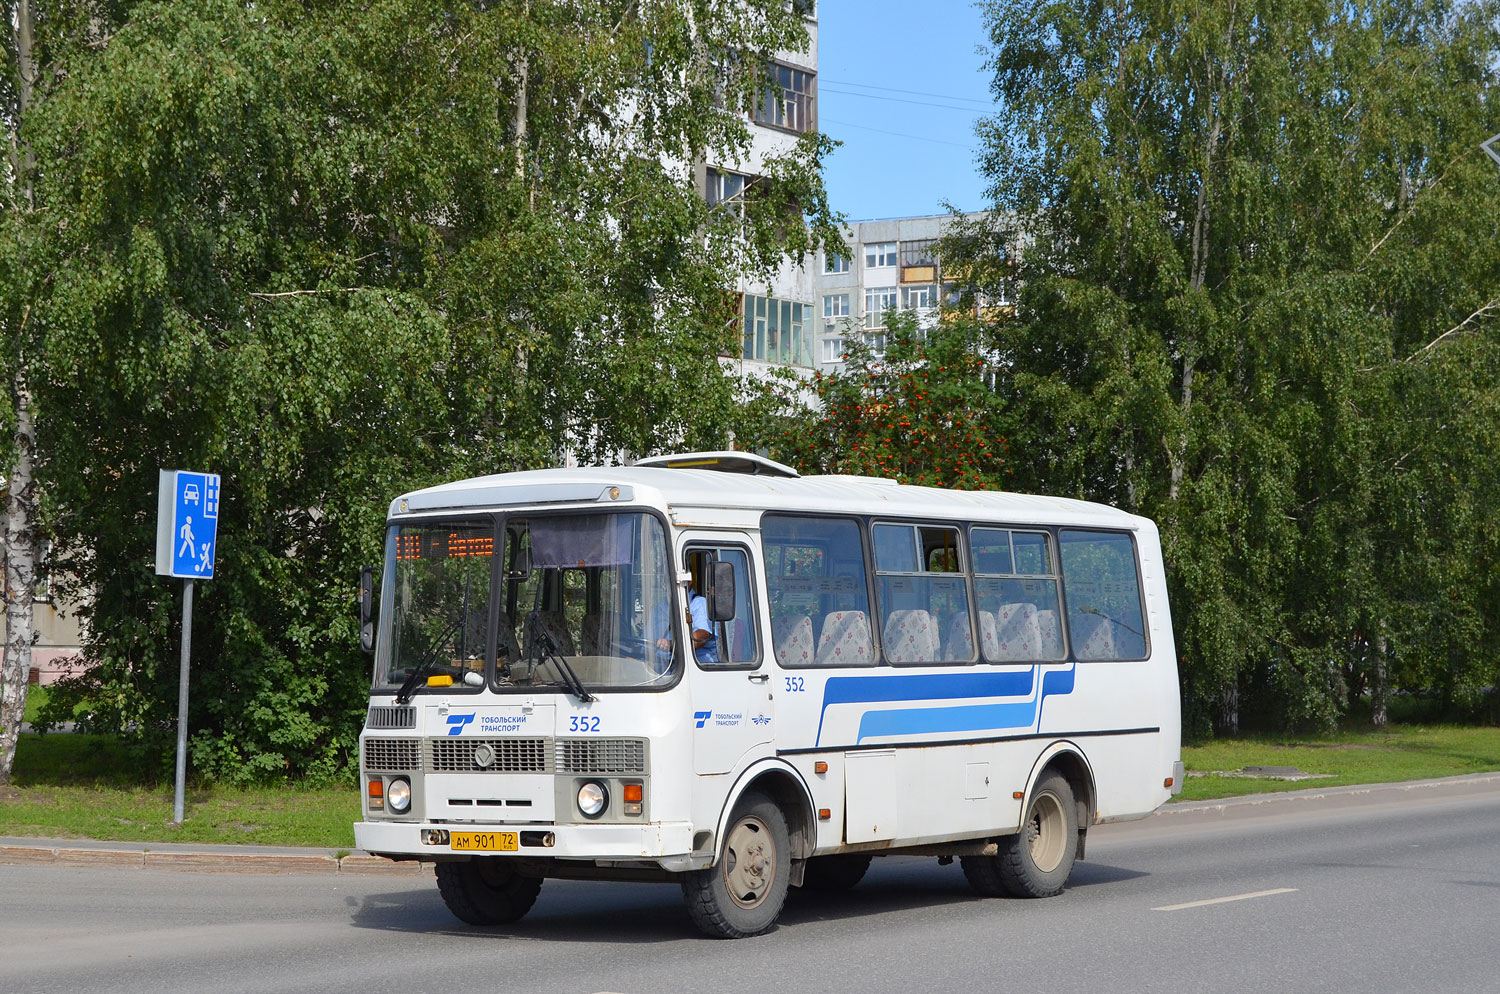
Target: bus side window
(1102, 586)
(737, 643)
(815, 579)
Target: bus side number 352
(583, 723)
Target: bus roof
(706, 489)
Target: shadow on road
(589, 912)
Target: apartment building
(893, 264)
(776, 320)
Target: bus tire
(742, 894)
(1036, 861)
(486, 891)
(838, 872)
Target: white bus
(703, 669)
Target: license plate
(484, 841)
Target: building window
(878, 300)
(833, 350)
(922, 297)
(835, 306)
(790, 101)
(776, 330)
(721, 186)
(875, 342)
(880, 254)
(835, 264)
(919, 252)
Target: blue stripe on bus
(972, 718)
(923, 687)
(1058, 683)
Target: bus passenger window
(815, 579)
(1105, 620)
(924, 595)
(1016, 588)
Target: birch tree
(1260, 306)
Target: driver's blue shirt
(708, 652)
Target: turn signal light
(820, 767)
(824, 814)
(377, 788)
(633, 792)
(1167, 783)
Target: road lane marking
(1226, 900)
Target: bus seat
(910, 637)
(1019, 636)
(989, 635)
(1093, 636)
(1051, 630)
(959, 645)
(508, 647)
(794, 640)
(556, 625)
(845, 639)
(590, 635)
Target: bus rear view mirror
(520, 565)
(721, 592)
(367, 609)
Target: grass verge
(1399, 752)
(89, 786)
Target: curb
(129, 856)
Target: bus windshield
(559, 601)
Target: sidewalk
(205, 858)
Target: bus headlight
(398, 796)
(592, 799)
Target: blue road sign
(194, 524)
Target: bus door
(734, 710)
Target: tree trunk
(1229, 710)
(1379, 706)
(20, 581)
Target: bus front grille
(458, 755)
(393, 755)
(601, 756)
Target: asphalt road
(1390, 891)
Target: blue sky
(900, 85)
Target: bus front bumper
(668, 843)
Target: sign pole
(182, 699)
(187, 525)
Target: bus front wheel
(742, 894)
(486, 891)
(1037, 860)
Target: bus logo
(459, 722)
(699, 716)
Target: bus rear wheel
(1037, 860)
(486, 891)
(742, 894)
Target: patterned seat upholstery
(959, 645)
(589, 636)
(911, 637)
(1051, 630)
(794, 640)
(509, 648)
(1019, 636)
(989, 635)
(1093, 636)
(845, 639)
(556, 625)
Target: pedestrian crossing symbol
(187, 522)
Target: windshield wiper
(544, 648)
(409, 687)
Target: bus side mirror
(721, 592)
(367, 609)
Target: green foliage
(338, 253)
(922, 413)
(1259, 305)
